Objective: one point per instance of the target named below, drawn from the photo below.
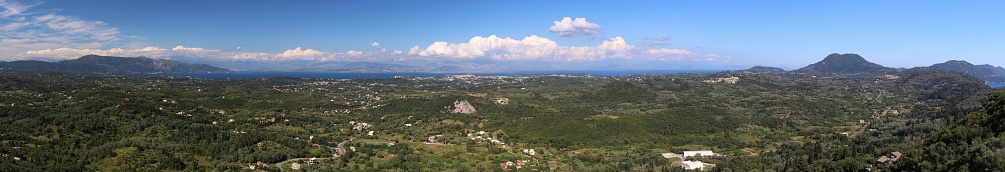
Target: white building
(692, 165)
(699, 153)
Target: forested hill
(985, 72)
(844, 64)
(111, 65)
(760, 70)
(974, 142)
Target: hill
(844, 64)
(111, 65)
(972, 143)
(984, 72)
(759, 69)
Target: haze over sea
(334, 75)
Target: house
(692, 165)
(432, 139)
(699, 153)
(520, 164)
(509, 163)
(295, 166)
(529, 151)
(260, 144)
(312, 161)
(889, 158)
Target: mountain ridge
(844, 64)
(112, 65)
(985, 72)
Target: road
(338, 149)
(860, 130)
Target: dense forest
(756, 121)
(974, 142)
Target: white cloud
(568, 27)
(300, 54)
(398, 52)
(193, 49)
(22, 29)
(195, 52)
(354, 53)
(12, 8)
(538, 48)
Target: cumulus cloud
(538, 48)
(569, 27)
(300, 54)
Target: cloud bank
(538, 48)
(206, 54)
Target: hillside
(775, 122)
(760, 70)
(111, 65)
(972, 143)
(985, 72)
(844, 64)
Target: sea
(996, 84)
(333, 75)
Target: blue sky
(787, 34)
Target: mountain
(759, 69)
(974, 142)
(844, 64)
(112, 65)
(985, 72)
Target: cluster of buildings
(478, 136)
(730, 80)
(511, 165)
(692, 165)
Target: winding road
(338, 149)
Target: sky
(717, 34)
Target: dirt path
(860, 130)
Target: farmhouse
(692, 165)
(890, 158)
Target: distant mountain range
(111, 65)
(844, 64)
(985, 72)
(832, 64)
